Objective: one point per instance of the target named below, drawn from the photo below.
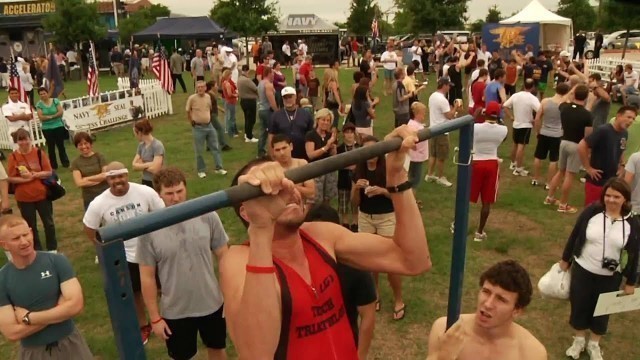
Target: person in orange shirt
(255, 52)
(28, 166)
(511, 78)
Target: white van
(463, 35)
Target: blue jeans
(202, 134)
(265, 117)
(230, 118)
(219, 129)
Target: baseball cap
(288, 91)
(493, 109)
(348, 126)
(444, 81)
(564, 53)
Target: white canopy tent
(555, 30)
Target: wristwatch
(399, 188)
(25, 318)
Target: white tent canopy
(555, 30)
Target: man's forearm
(18, 332)
(583, 152)
(65, 310)
(150, 297)
(257, 336)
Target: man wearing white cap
(231, 62)
(123, 201)
(291, 121)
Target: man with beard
(123, 201)
(491, 333)
(291, 121)
(282, 289)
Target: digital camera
(610, 264)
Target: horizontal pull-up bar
(175, 214)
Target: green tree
(85, 25)
(432, 15)
(140, 20)
(476, 26)
(362, 14)
(494, 15)
(246, 17)
(616, 17)
(580, 11)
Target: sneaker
(551, 201)
(202, 174)
(534, 182)
(512, 166)
(593, 349)
(452, 227)
(500, 160)
(254, 140)
(430, 178)
(520, 172)
(226, 148)
(576, 348)
(478, 237)
(583, 180)
(145, 331)
(444, 182)
(235, 135)
(96, 261)
(546, 186)
(567, 209)
(221, 171)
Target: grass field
(520, 227)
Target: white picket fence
(35, 128)
(157, 102)
(604, 66)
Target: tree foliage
(494, 15)
(580, 11)
(362, 13)
(616, 15)
(476, 26)
(246, 17)
(141, 20)
(74, 21)
(432, 15)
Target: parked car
(634, 42)
(611, 39)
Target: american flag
(92, 76)
(160, 68)
(374, 29)
(15, 82)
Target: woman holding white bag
(594, 252)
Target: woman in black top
(320, 143)
(376, 214)
(594, 252)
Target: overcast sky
(338, 10)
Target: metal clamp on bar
(456, 150)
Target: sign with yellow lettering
(27, 8)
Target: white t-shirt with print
(107, 209)
(389, 56)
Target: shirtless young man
(491, 333)
(282, 289)
(282, 147)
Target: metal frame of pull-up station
(113, 263)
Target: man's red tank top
(315, 325)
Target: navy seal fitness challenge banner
(505, 38)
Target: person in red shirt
(266, 61)
(304, 71)
(354, 52)
(512, 77)
(230, 99)
(283, 292)
(477, 94)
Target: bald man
(120, 202)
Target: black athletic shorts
(521, 136)
(509, 89)
(548, 146)
(183, 342)
(134, 274)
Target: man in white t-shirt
(123, 201)
(16, 112)
(72, 57)
(389, 60)
(303, 47)
(286, 51)
(631, 79)
(231, 62)
(524, 104)
(487, 137)
(440, 112)
(416, 55)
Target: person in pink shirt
(420, 154)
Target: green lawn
(520, 227)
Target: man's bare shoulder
(530, 347)
(299, 162)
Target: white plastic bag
(555, 283)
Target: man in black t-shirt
(291, 121)
(607, 144)
(546, 66)
(577, 123)
(358, 289)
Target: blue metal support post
(117, 288)
(461, 222)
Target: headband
(117, 172)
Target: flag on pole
(14, 80)
(374, 29)
(92, 75)
(161, 69)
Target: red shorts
(591, 193)
(484, 181)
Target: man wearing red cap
(484, 179)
